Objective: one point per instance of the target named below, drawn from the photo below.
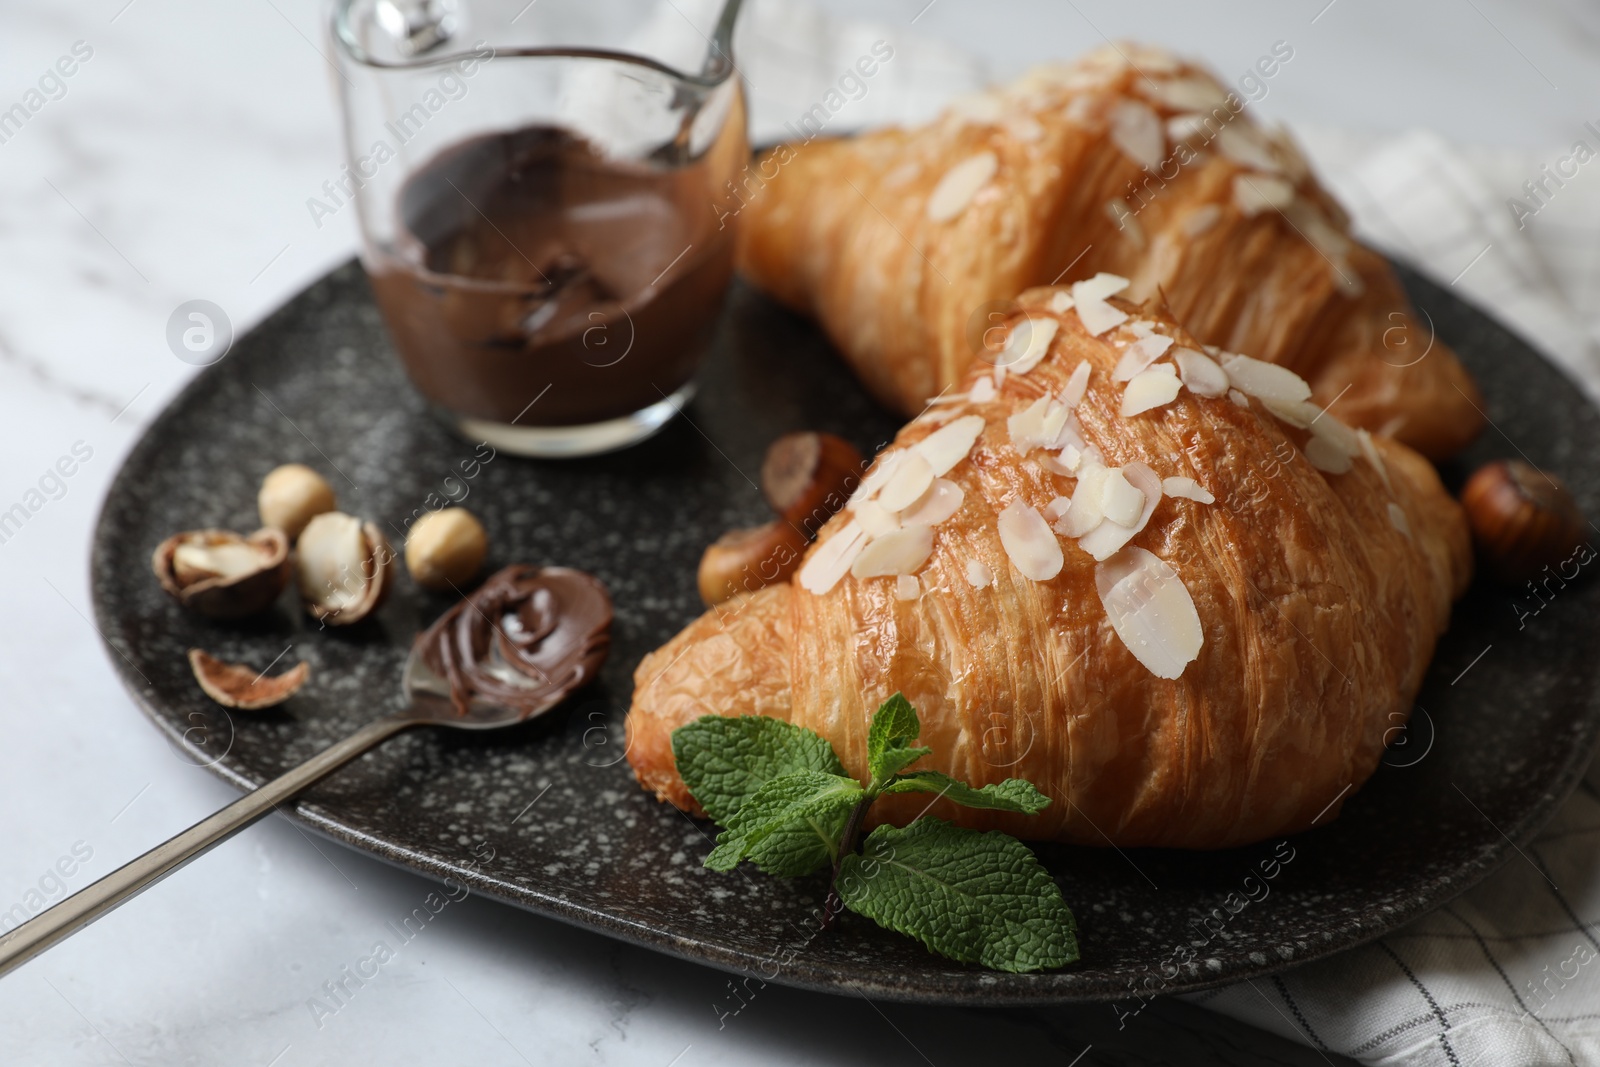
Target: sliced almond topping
(1327, 457)
(1026, 427)
(832, 558)
(906, 587)
(1255, 193)
(1370, 450)
(1328, 428)
(1397, 519)
(1070, 459)
(875, 519)
(983, 391)
(1120, 502)
(1098, 317)
(979, 576)
(1027, 344)
(1084, 513)
(959, 185)
(1060, 302)
(949, 445)
(911, 479)
(1057, 508)
(1099, 287)
(1137, 132)
(1186, 488)
(902, 552)
(1151, 611)
(1200, 373)
(1297, 413)
(1184, 127)
(1149, 389)
(942, 500)
(1107, 538)
(1139, 355)
(1077, 385)
(1029, 543)
(1191, 93)
(883, 469)
(1201, 219)
(1266, 380)
(1142, 327)
(1238, 398)
(1243, 144)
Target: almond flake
(1238, 398)
(1185, 127)
(1028, 343)
(1142, 327)
(832, 558)
(1192, 93)
(1098, 316)
(1201, 219)
(906, 587)
(1149, 389)
(1060, 302)
(902, 552)
(1200, 373)
(1370, 450)
(1187, 489)
(1120, 502)
(1326, 457)
(1109, 537)
(1084, 512)
(949, 445)
(979, 576)
(1026, 427)
(882, 470)
(1151, 611)
(983, 391)
(1057, 508)
(942, 500)
(1139, 355)
(1070, 459)
(1328, 428)
(875, 519)
(1255, 193)
(1137, 132)
(1268, 381)
(959, 185)
(1243, 144)
(1077, 385)
(911, 479)
(1397, 519)
(1297, 413)
(1099, 287)
(1029, 543)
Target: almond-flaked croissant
(1226, 672)
(904, 242)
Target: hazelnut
(808, 476)
(234, 685)
(220, 574)
(742, 561)
(445, 549)
(344, 567)
(291, 495)
(1522, 519)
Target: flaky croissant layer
(1183, 603)
(905, 243)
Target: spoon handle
(89, 903)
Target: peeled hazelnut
(742, 561)
(291, 495)
(234, 685)
(445, 549)
(221, 574)
(808, 476)
(343, 567)
(1522, 519)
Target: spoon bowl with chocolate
(511, 651)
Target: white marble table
(174, 163)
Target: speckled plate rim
(991, 989)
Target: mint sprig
(786, 804)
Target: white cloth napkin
(1507, 975)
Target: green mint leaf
(894, 726)
(1013, 794)
(971, 896)
(724, 761)
(790, 826)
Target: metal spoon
(429, 706)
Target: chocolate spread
(524, 639)
(528, 261)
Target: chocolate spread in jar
(524, 639)
(527, 261)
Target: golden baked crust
(1320, 597)
(1253, 256)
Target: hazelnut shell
(227, 598)
(373, 593)
(808, 476)
(235, 685)
(742, 561)
(1522, 519)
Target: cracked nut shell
(344, 567)
(221, 574)
(235, 685)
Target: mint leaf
(894, 726)
(790, 826)
(971, 896)
(1013, 794)
(724, 761)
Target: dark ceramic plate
(548, 816)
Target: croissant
(1152, 579)
(904, 243)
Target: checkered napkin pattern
(1507, 975)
